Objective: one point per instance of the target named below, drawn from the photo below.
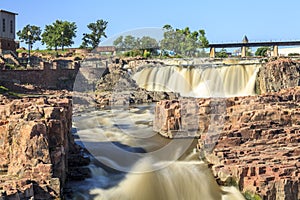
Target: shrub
(293, 54)
(249, 196)
(146, 54)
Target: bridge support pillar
(275, 51)
(212, 53)
(244, 51)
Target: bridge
(243, 45)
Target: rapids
(131, 162)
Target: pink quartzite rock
(35, 140)
(254, 141)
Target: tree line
(61, 34)
(183, 42)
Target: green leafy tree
(203, 39)
(222, 54)
(183, 41)
(167, 27)
(130, 42)
(59, 34)
(30, 34)
(97, 32)
(262, 51)
(119, 43)
(147, 43)
(136, 46)
(249, 52)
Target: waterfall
(189, 180)
(167, 170)
(215, 81)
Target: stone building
(7, 31)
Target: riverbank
(251, 142)
(37, 147)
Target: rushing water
(131, 162)
(201, 81)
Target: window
(11, 27)
(3, 25)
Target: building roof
(8, 12)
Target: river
(132, 162)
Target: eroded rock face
(278, 74)
(253, 141)
(35, 142)
(117, 86)
(259, 145)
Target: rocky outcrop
(117, 87)
(250, 141)
(36, 144)
(259, 145)
(278, 74)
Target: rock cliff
(36, 142)
(250, 141)
(278, 74)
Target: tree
(222, 54)
(119, 43)
(59, 34)
(30, 34)
(147, 43)
(167, 27)
(183, 41)
(136, 46)
(249, 52)
(262, 51)
(97, 32)
(130, 42)
(203, 39)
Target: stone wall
(49, 76)
(35, 144)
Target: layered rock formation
(278, 74)
(36, 142)
(253, 141)
(117, 87)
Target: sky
(224, 21)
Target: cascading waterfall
(166, 178)
(158, 174)
(215, 81)
(190, 180)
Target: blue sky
(223, 21)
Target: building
(7, 31)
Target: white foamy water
(224, 81)
(153, 168)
